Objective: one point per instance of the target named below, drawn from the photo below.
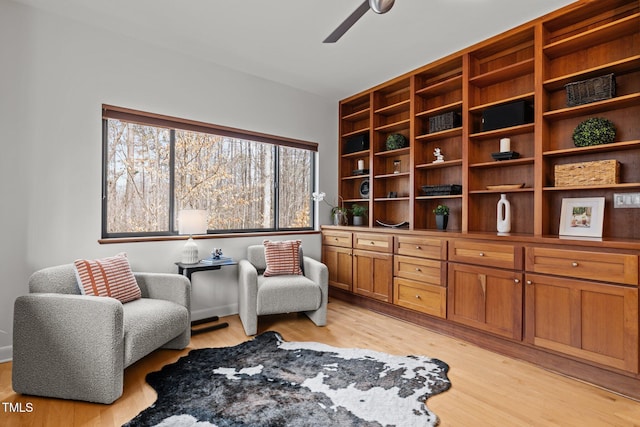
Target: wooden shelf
(533, 63)
(399, 125)
(626, 145)
(440, 135)
(625, 186)
(479, 108)
(445, 164)
(441, 87)
(617, 67)
(620, 28)
(503, 163)
(502, 74)
(594, 107)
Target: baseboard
(6, 353)
(220, 311)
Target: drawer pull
(336, 239)
(417, 296)
(574, 264)
(481, 254)
(418, 269)
(418, 248)
(529, 282)
(516, 281)
(373, 243)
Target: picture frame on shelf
(582, 217)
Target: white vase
(504, 214)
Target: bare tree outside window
(153, 172)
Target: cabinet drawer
(487, 254)
(420, 269)
(421, 297)
(336, 238)
(373, 242)
(421, 247)
(602, 266)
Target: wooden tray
(505, 186)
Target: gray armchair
(72, 346)
(259, 295)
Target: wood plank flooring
(488, 389)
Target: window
(154, 166)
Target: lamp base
(190, 252)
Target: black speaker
(506, 115)
(356, 143)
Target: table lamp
(191, 221)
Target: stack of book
(218, 261)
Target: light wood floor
(488, 389)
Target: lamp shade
(192, 221)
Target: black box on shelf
(445, 121)
(506, 115)
(356, 143)
(442, 190)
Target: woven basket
(591, 90)
(444, 121)
(602, 172)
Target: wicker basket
(602, 172)
(591, 90)
(442, 190)
(444, 121)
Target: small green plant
(358, 210)
(441, 210)
(594, 131)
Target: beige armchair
(260, 295)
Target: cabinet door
(339, 263)
(486, 298)
(373, 274)
(592, 321)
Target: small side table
(187, 270)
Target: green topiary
(396, 141)
(594, 131)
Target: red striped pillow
(107, 277)
(282, 257)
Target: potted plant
(339, 215)
(442, 216)
(358, 213)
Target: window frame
(174, 123)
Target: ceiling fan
(378, 6)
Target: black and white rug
(270, 382)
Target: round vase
(504, 214)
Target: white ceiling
(281, 40)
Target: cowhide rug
(270, 382)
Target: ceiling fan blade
(348, 23)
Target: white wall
(55, 75)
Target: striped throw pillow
(282, 257)
(107, 277)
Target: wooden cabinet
(591, 321)
(373, 274)
(601, 266)
(529, 64)
(486, 253)
(420, 277)
(337, 255)
(584, 313)
(486, 298)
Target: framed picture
(582, 217)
